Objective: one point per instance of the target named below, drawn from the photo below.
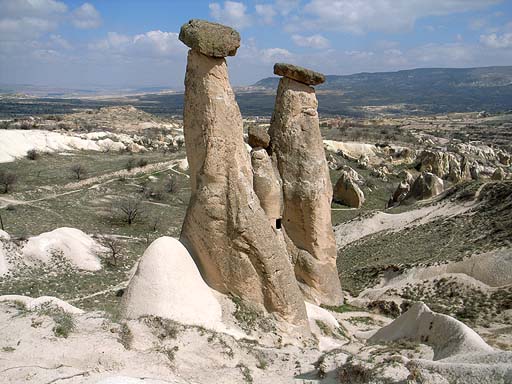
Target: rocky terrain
(294, 248)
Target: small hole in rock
(278, 224)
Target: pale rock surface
(455, 173)
(4, 235)
(15, 143)
(347, 192)
(79, 249)
(447, 336)
(426, 186)
(493, 269)
(267, 185)
(318, 315)
(353, 174)
(131, 380)
(297, 145)
(4, 266)
(435, 162)
(225, 229)
(168, 284)
(353, 150)
(33, 304)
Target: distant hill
(415, 91)
(430, 90)
(413, 79)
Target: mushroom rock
(297, 149)
(225, 229)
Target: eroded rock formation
(425, 186)
(347, 192)
(226, 229)
(297, 147)
(267, 185)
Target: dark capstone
(210, 39)
(301, 74)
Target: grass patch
(125, 336)
(246, 373)
(341, 308)
(64, 321)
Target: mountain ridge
(501, 73)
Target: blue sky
(128, 43)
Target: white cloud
(286, 6)
(360, 54)
(494, 40)
(449, 55)
(313, 41)
(233, 13)
(59, 42)
(31, 8)
(22, 20)
(266, 12)
(272, 55)
(86, 17)
(150, 44)
(361, 16)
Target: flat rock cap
(301, 74)
(210, 39)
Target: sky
(133, 44)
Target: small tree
(7, 180)
(32, 154)
(142, 163)
(129, 209)
(78, 171)
(130, 164)
(114, 248)
(171, 185)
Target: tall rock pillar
(225, 228)
(297, 146)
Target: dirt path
(95, 182)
